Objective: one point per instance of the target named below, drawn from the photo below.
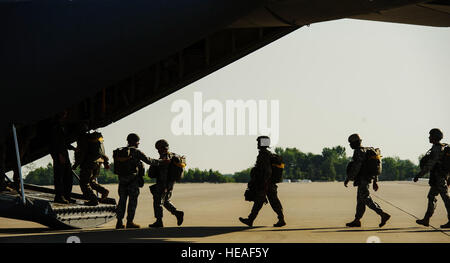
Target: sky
(388, 82)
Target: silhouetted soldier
(127, 164)
(262, 185)
(90, 155)
(433, 163)
(359, 173)
(62, 170)
(162, 190)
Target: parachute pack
(175, 168)
(371, 167)
(277, 168)
(444, 160)
(125, 165)
(91, 148)
(95, 148)
(372, 164)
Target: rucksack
(372, 165)
(95, 148)
(176, 167)
(124, 164)
(444, 159)
(277, 168)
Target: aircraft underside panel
(151, 83)
(428, 14)
(103, 60)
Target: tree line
(330, 165)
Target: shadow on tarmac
(306, 229)
(398, 230)
(141, 235)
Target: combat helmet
(132, 137)
(436, 134)
(161, 144)
(263, 141)
(354, 138)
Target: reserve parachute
(175, 169)
(277, 168)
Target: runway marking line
(408, 213)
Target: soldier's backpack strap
(445, 159)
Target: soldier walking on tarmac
(359, 171)
(162, 190)
(128, 165)
(262, 186)
(436, 162)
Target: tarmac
(315, 213)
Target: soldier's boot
(180, 217)
(354, 223)
(130, 224)
(60, 199)
(119, 224)
(92, 202)
(104, 196)
(247, 221)
(158, 223)
(280, 223)
(425, 221)
(6, 188)
(70, 200)
(384, 218)
(446, 225)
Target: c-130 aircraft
(102, 60)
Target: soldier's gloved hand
(346, 182)
(375, 186)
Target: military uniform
(90, 161)
(437, 181)
(362, 181)
(129, 186)
(62, 172)
(263, 187)
(162, 190)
